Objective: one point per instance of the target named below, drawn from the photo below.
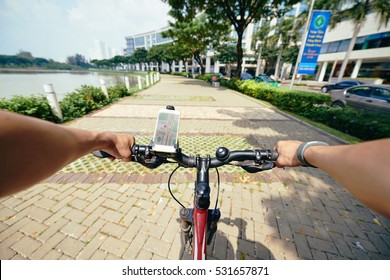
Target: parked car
(372, 97)
(266, 79)
(246, 76)
(340, 85)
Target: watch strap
(301, 150)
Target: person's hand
(119, 146)
(287, 153)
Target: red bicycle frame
(199, 247)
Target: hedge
(365, 125)
(75, 104)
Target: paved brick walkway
(95, 209)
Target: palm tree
(357, 10)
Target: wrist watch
(301, 150)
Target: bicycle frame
(199, 224)
(200, 218)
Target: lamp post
(258, 66)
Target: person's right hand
(287, 153)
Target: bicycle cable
(216, 201)
(169, 186)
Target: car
(266, 79)
(371, 97)
(340, 85)
(246, 76)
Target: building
(370, 57)
(146, 40)
(102, 51)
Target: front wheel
(324, 89)
(338, 104)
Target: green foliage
(182, 74)
(82, 101)
(34, 106)
(119, 91)
(195, 36)
(206, 77)
(365, 125)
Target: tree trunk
(239, 53)
(348, 54)
(277, 67)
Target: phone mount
(167, 151)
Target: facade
(146, 40)
(370, 57)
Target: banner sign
(314, 38)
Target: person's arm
(364, 169)
(32, 150)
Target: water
(26, 84)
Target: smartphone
(166, 133)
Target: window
(381, 93)
(139, 41)
(333, 47)
(344, 44)
(360, 91)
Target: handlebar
(250, 160)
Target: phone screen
(166, 134)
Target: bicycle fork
(199, 224)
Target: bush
(365, 125)
(207, 77)
(117, 92)
(82, 101)
(33, 106)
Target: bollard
(127, 82)
(147, 80)
(158, 76)
(104, 87)
(139, 83)
(52, 99)
(151, 79)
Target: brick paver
(95, 209)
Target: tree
(198, 35)
(156, 54)
(25, 54)
(239, 13)
(227, 54)
(139, 56)
(77, 60)
(357, 11)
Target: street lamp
(258, 66)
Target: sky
(56, 29)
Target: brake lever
(151, 163)
(267, 165)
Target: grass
(343, 136)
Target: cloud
(56, 28)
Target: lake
(25, 84)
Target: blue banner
(314, 38)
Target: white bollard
(104, 88)
(139, 83)
(52, 99)
(127, 82)
(147, 80)
(151, 79)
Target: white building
(146, 40)
(370, 57)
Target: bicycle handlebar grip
(274, 155)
